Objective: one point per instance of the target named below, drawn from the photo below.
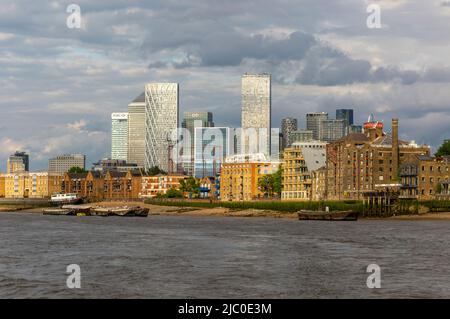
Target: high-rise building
(313, 122)
(136, 131)
(256, 114)
(302, 136)
(212, 145)
(19, 162)
(119, 136)
(161, 116)
(192, 120)
(346, 115)
(355, 129)
(331, 130)
(63, 163)
(288, 126)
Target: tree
(266, 184)
(155, 170)
(278, 181)
(444, 150)
(174, 193)
(77, 170)
(190, 185)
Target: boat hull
(328, 216)
(73, 210)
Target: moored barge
(328, 216)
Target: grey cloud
(51, 75)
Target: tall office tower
(212, 145)
(355, 129)
(332, 130)
(276, 144)
(313, 122)
(19, 162)
(119, 136)
(161, 116)
(345, 114)
(192, 120)
(288, 125)
(136, 131)
(63, 163)
(256, 113)
(302, 136)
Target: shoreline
(160, 210)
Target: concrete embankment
(26, 204)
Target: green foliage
(77, 170)
(266, 185)
(174, 193)
(271, 184)
(190, 185)
(278, 181)
(155, 170)
(444, 150)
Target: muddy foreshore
(218, 211)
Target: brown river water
(221, 257)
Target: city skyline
(317, 64)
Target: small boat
(330, 216)
(64, 199)
(120, 211)
(86, 210)
(59, 212)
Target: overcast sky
(58, 85)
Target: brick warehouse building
(357, 163)
(424, 178)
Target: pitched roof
(117, 174)
(386, 140)
(354, 138)
(97, 174)
(77, 175)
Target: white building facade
(256, 114)
(161, 123)
(119, 136)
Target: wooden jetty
(328, 216)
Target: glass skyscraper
(191, 120)
(314, 121)
(346, 115)
(161, 123)
(211, 146)
(332, 130)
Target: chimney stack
(395, 149)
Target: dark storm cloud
(59, 85)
